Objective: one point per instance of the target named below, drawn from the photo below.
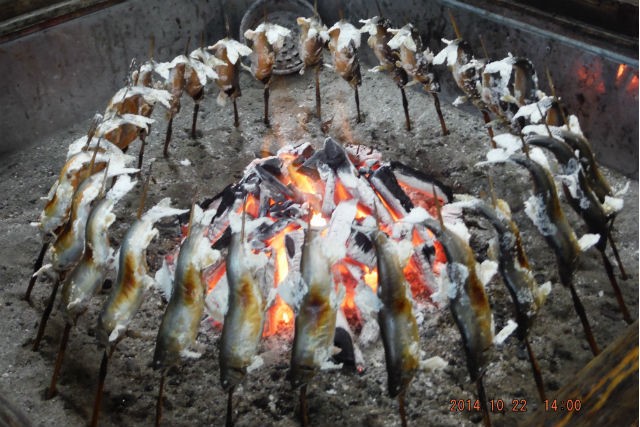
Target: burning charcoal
(313, 37)
(229, 51)
(267, 39)
(344, 43)
(384, 181)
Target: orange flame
(280, 315)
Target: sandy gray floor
(217, 157)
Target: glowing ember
(289, 187)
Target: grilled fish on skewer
(468, 303)
(229, 52)
(418, 64)
(67, 249)
(179, 327)
(244, 320)
(585, 203)
(379, 37)
(129, 288)
(83, 281)
(544, 210)
(313, 37)
(398, 326)
(267, 40)
(516, 274)
(344, 41)
(315, 320)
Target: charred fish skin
(597, 181)
(244, 320)
(398, 326)
(315, 322)
(555, 228)
(587, 204)
(468, 301)
(513, 266)
(89, 274)
(179, 326)
(131, 282)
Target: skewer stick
(355, 88)
(555, 98)
(482, 397)
(196, 108)
(318, 103)
(405, 105)
(454, 25)
(229, 418)
(143, 196)
(36, 266)
(266, 105)
(585, 321)
(143, 141)
(159, 401)
(51, 392)
(47, 312)
(614, 248)
(535, 368)
(401, 410)
(436, 103)
(101, 377)
(484, 48)
(487, 120)
(236, 118)
(167, 138)
(616, 289)
(304, 411)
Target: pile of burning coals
(335, 244)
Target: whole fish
(344, 41)
(516, 274)
(132, 280)
(315, 321)
(244, 320)
(467, 299)
(179, 327)
(585, 202)
(398, 326)
(597, 181)
(544, 210)
(469, 305)
(513, 263)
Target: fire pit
(217, 157)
